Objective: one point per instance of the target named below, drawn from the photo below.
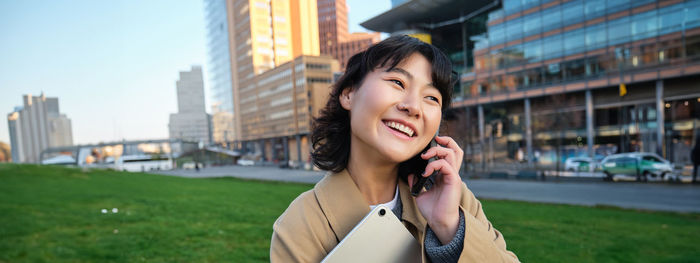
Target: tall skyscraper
(260, 35)
(219, 71)
(335, 39)
(191, 122)
(332, 24)
(304, 19)
(36, 126)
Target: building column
(285, 141)
(272, 149)
(262, 149)
(589, 123)
(299, 159)
(660, 118)
(528, 133)
(480, 113)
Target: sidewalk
(644, 196)
(251, 172)
(632, 195)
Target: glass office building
(545, 80)
(219, 58)
(219, 73)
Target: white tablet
(379, 237)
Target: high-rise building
(260, 35)
(36, 126)
(545, 80)
(219, 71)
(334, 37)
(191, 122)
(304, 18)
(276, 118)
(269, 33)
(332, 24)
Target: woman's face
(394, 113)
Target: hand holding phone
(440, 204)
(420, 182)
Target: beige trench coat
(316, 221)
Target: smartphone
(416, 166)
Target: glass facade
(681, 128)
(525, 46)
(506, 44)
(219, 63)
(545, 80)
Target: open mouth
(400, 128)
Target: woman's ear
(346, 98)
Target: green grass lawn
(54, 214)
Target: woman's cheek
(433, 119)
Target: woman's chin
(399, 156)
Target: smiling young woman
(380, 116)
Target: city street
(645, 196)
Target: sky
(112, 64)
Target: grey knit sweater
(436, 252)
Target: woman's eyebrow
(401, 71)
(407, 74)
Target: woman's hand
(440, 204)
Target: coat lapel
(410, 212)
(341, 202)
(344, 206)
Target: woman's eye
(397, 82)
(433, 98)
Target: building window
(533, 51)
(532, 24)
(318, 66)
(619, 31)
(511, 6)
(551, 18)
(572, 12)
(574, 70)
(319, 80)
(552, 47)
(594, 8)
(514, 29)
(595, 37)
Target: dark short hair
(330, 135)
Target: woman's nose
(410, 106)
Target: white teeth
(405, 129)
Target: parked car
(579, 164)
(641, 165)
(245, 162)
